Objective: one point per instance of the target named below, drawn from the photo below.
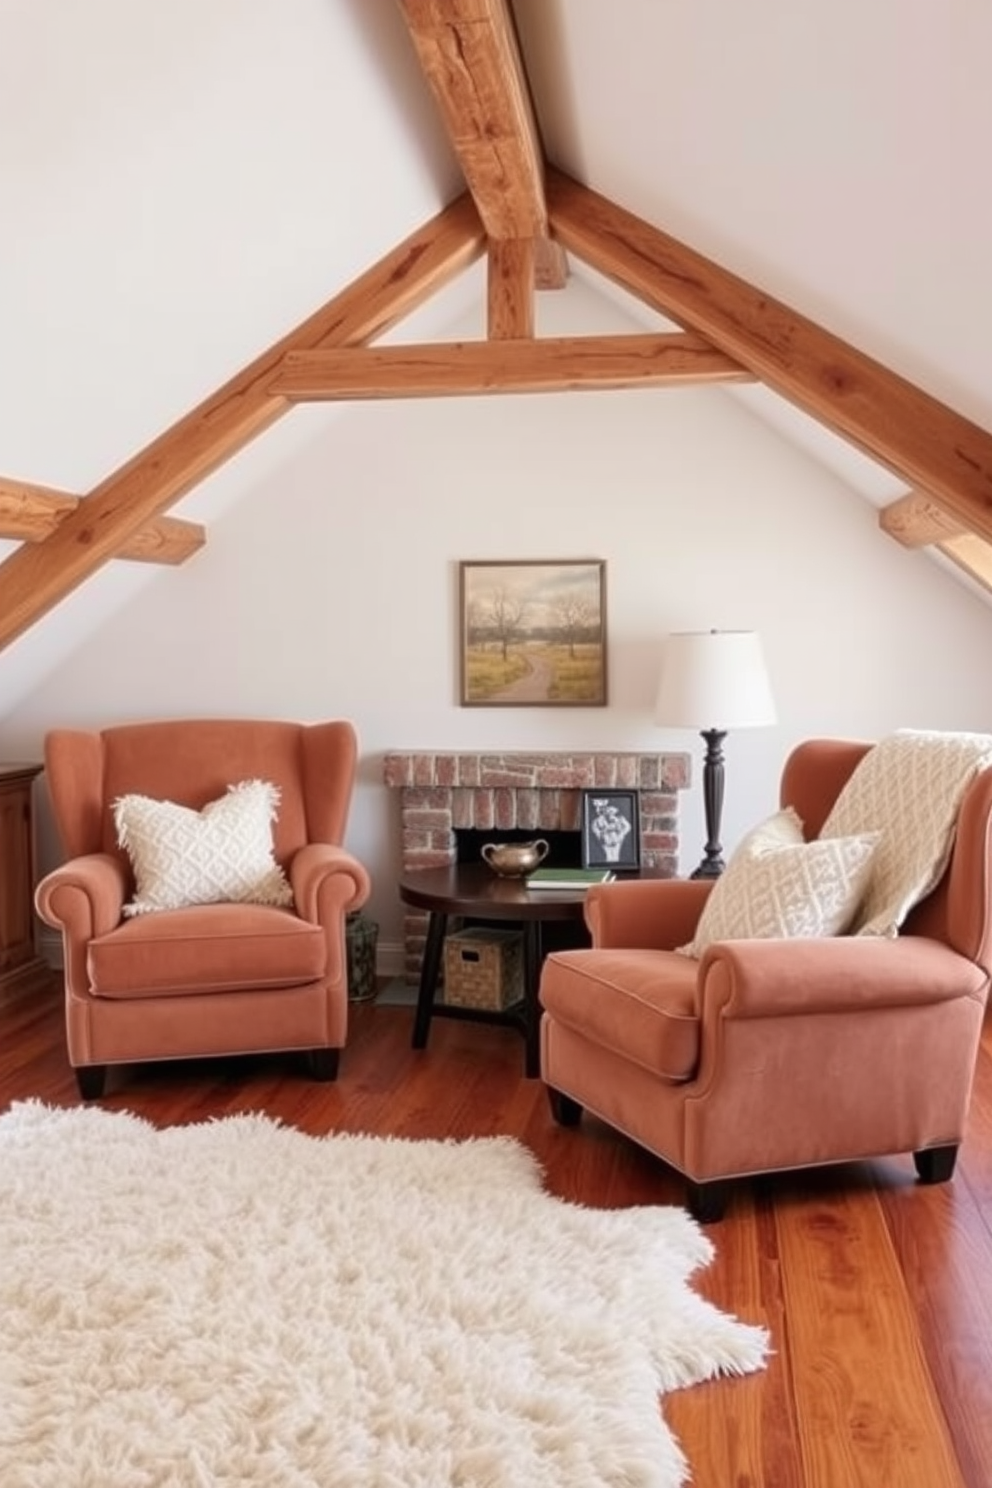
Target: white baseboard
(390, 958)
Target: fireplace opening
(492, 797)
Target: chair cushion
(640, 1004)
(909, 788)
(778, 887)
(207, 948)
(182, 857)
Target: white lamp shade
(714, 679)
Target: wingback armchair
(210, 978)
(769, 1054)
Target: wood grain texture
(510, 288)
(916, 520)
(36, 577)
(877, 1289)
(469, 54)
(926, 443)
(547, 364)
(31, 513)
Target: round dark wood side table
(474, 891)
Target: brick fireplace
(443, 794)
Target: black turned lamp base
(712, 865)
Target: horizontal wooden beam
(36, 576)
(470, 56)
(926, 443)
(459, 368)
(917, 521)
(31, 513)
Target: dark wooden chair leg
(936, 1164)
(707, 1202)
(565, 1110)
(91, 1079)
(323, 1063)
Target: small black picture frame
(611, 830)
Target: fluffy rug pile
(237, 1303)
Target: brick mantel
(534, 791)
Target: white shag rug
(236, 1303)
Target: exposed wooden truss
(470, 56)
(37, 576)
(31, 513)
(551, 365)
(923, 441)
(524, 217)
(917, 522)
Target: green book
(568, 878)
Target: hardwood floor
(877, 1291)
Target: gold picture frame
(532, 633)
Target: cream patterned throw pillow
(777, 886)
(909, 788)
(222, 853)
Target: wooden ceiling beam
(510, 288)
(31, 513)
(923, 441)
(470, 56)
(916, 521)
(35, 577)
(459, 368)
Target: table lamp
(713, 681)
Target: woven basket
(483, 968)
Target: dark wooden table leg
(437, 924)
(532, 1004)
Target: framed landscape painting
(533, 633)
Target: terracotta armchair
(208, 978)
(777, 1054)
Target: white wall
(182, 184)
(331, 588)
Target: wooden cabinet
(20, 964)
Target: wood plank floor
(877, 1291)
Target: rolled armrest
(326, 881)
(772, 978)
(657, 914)
(84, 897)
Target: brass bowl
(514, 859)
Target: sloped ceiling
(830, 154)
(787, 140)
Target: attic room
(184, 188)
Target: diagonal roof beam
(470, 56)
(36, 576)
(31, 513)
(926, 443)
